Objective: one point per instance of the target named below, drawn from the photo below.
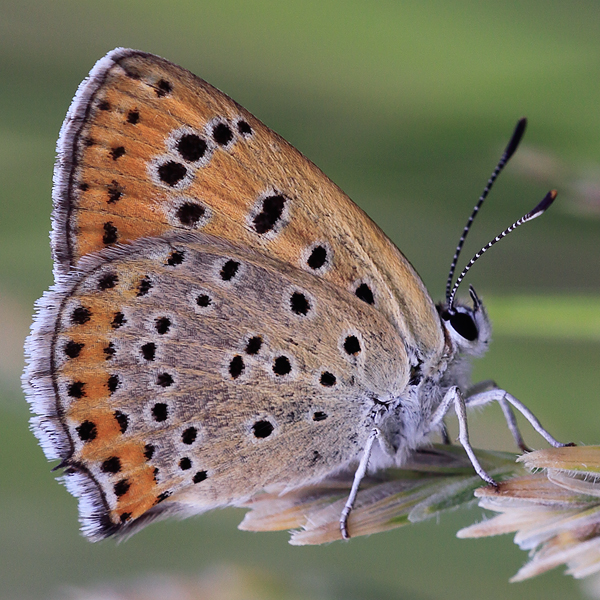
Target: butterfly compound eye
(464, 325)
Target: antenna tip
(543, 206)
(516, 138)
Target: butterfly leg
(511, 421)
(445, 435)
(455, 398)
(507, 411)
(358, 476)
(507, 401)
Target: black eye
(464, 325)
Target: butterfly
(224, 318)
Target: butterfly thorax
(407, 424)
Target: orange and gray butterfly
(223, 318)
(194, 369)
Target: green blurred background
(405, 105)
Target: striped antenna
(540, 209)
(508, 152)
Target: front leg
(472, 398)
(506, 400)
(455, 398)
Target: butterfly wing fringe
(37, 380)
(67, 159)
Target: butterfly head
(468, 327)
(467, 331)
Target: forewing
(148, 148)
